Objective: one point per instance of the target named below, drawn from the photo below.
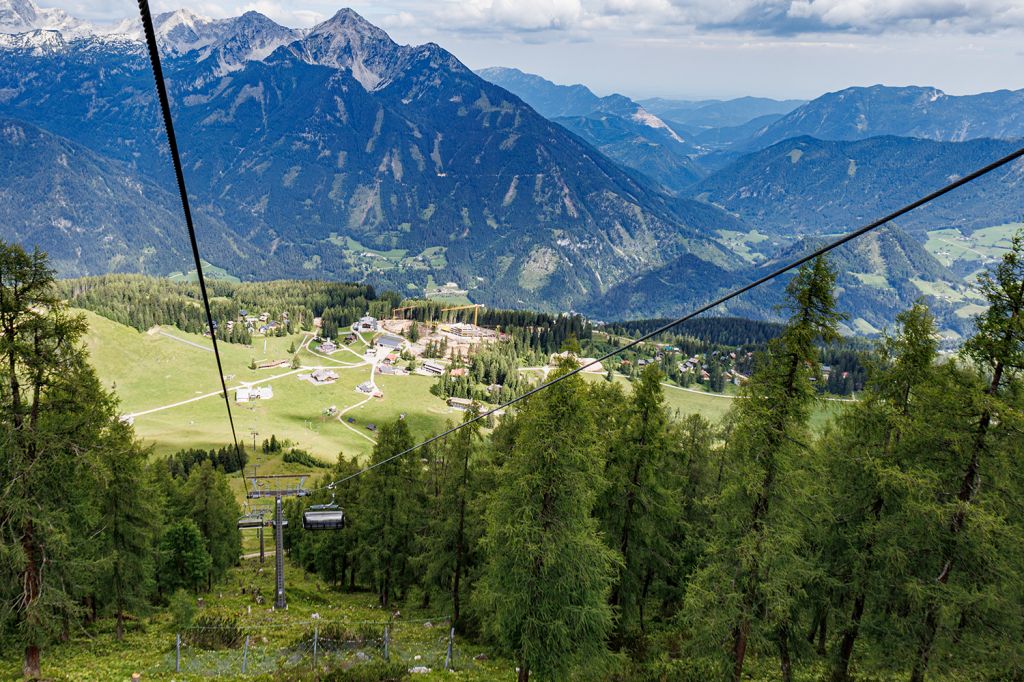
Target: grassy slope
(151, 370)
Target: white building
(247, 394)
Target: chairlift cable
(850, 236)
(165, 108)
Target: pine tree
(548, 573)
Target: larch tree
(996, 350)
(128, 522)
(52, 414)
(548, 573)
(641, 504)
(452, 550)
(878, 480)
(755, 562)
(213, 508)
(390, 515)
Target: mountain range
(335, 152)
(618, 127)
(343, 136)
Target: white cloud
(514, 15)
(284, 13)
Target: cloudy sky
(688, 48)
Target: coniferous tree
(52, 416)
(640, 505)
(128, 520)
(452, 550)
(879, 479)
(997, 351)
(212, 506)
(548, 574)
(390, 514)
(185, 562)
(755, 564)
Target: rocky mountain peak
(347, 41)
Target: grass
(940, 290)
(151, 370)
(981, 247)
(872, 280)
(277, 638)
(744, 243)
(210, 271)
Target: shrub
(296, 456)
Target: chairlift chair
(324, 516)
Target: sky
(686, 49)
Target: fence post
(387, 640)
(245, 655)
(448, 656)
(316, 640)
(177, 653)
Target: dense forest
(590, 534)
(141, 302)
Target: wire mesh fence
(260, 649)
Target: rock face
(320, 150)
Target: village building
(328, 346)
(271, 364)
(460, 403)
(366, 324)
(366, 387)
(250, 393)
(385, 369)
(432, 368)
(458, 372)
(323, 376)
(390, 342)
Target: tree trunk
(32, 671)
(841, 669)
(120, 626)
(739, 648)
(785, 661)
(822, 634)
(524, 672)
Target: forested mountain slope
(94, 215)
(811, 186)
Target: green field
(210, 271)
(150, 371)
(745, 243)
(978, 248)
